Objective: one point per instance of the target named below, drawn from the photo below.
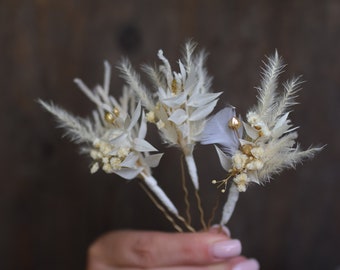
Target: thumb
(155, 249)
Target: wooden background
(51, 208)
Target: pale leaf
(216, 131)
(128, 173)
(135, 116)
(178, 116)
(153, 160)
(143, 146)
(202, 112)
(202, 99)
(130, 160)
(143, 128)
(251, 132)
(175, 101)
(225, 160)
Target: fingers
(236, 263)
(136, 249)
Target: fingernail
(250, 264)
(219, 228)
(226, 249)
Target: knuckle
(144, 251)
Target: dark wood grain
(51, 208)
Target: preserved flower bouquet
(180, 104)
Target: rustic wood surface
(51, 208)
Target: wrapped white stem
(229, 206)
(192, 170)
(155, 188)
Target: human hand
(133, 250)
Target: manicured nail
(219, 228)
(250, 264)
(226, 249)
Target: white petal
(153, 160)
(130, 160)
(253, 178)
(119, 139)
(281, 121)
(143, 146)
(282, 125)
(178, 116)
(169, 134)
(224, 159)
(243, 142)
(175, 101)
(216, 131)
(143, 127)
(202, 99)
(201, 113)
(128, 173)
(161, 93)
(182, 69)
(135, 116)
(251, 132)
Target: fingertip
(217, 228)
(249, 264)
(226, 249)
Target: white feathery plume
(77, 129)
(183, 100)
(115, 137)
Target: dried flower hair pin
(250, 151)
(261, 146)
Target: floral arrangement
(250, 150)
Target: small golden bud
(234, 123)
(223, 190)
(214, 182)
(111, 117)
(174, 86)
(246, 149)
(116, 112)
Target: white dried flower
(183, 100)
(268, 143)
(115, 137)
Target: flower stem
(229, 206)
(192, 169)
(160, 207)
(194, 177)
(159, 193)
(151, 183)
(186, 193)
